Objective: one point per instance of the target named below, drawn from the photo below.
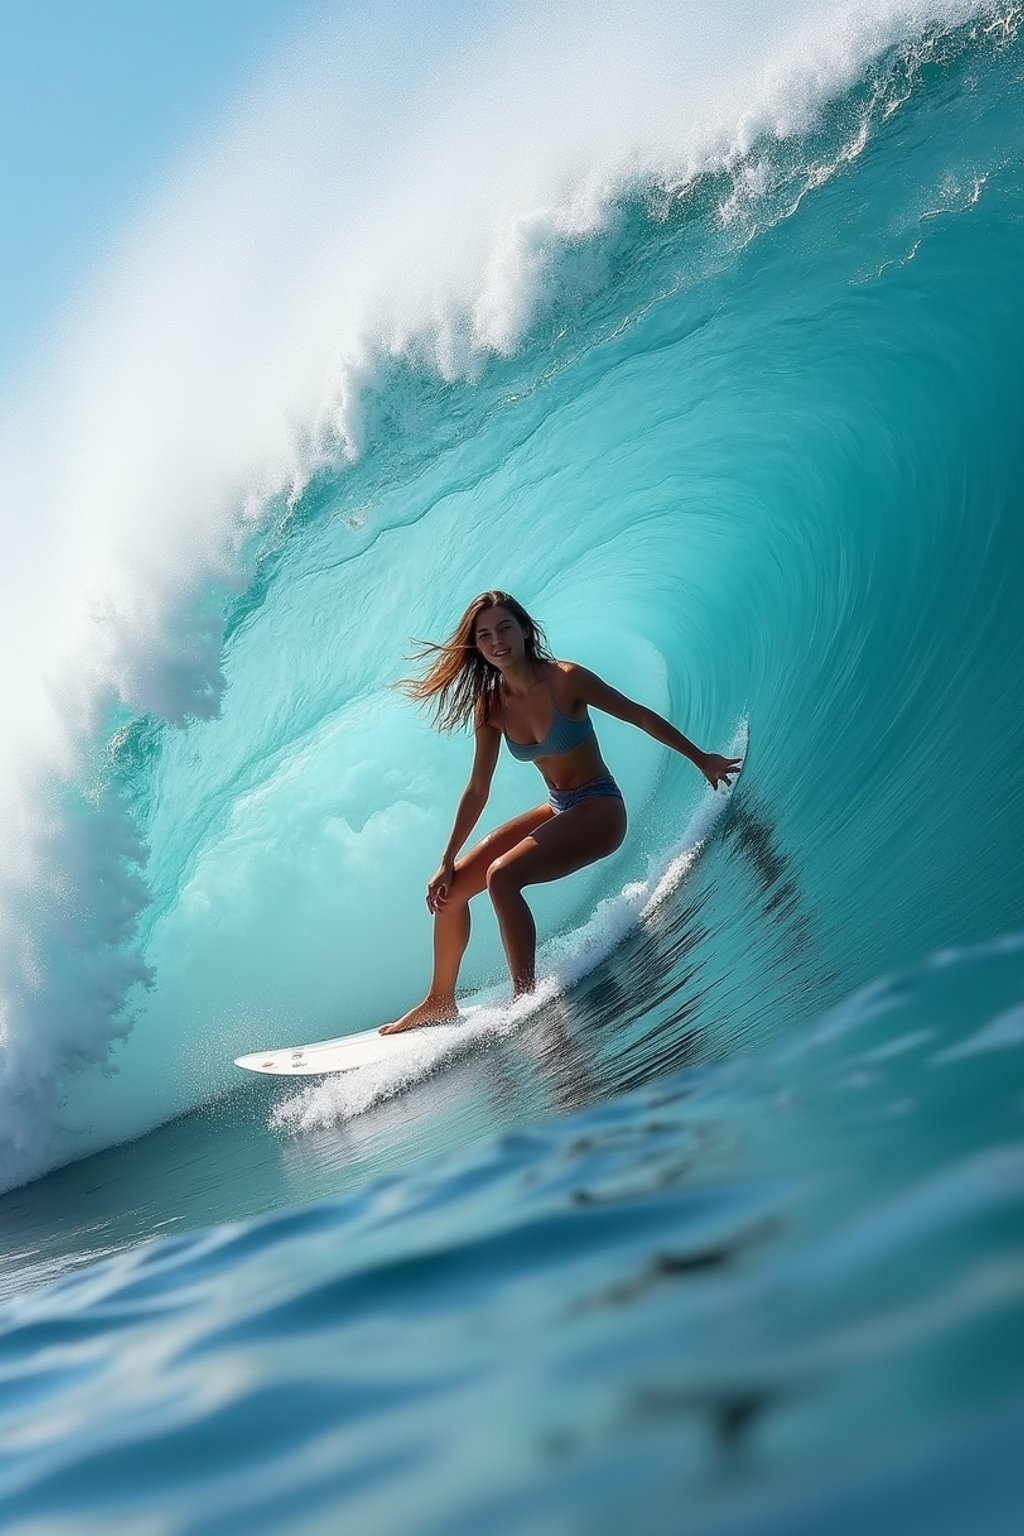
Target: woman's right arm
(487, 743)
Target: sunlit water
(723, 1233)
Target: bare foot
(432, 1010)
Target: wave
(381, 369)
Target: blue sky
(97, 99)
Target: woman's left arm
(593, 690)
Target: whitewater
(700, 333)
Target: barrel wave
(705, 342)
(752, 453)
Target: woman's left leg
(569, 841)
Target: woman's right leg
(451, 926)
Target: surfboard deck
(346, 1053)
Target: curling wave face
(726, 1219)
(746, 442)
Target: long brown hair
(462, 687)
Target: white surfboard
(347, 1052)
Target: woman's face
(500, 638)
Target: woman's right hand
(439, 886)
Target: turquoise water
(723, 1234)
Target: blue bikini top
(564, 735)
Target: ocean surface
(723, 1232)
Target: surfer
(496, 671)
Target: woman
(497, 671)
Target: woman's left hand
(719, 769)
